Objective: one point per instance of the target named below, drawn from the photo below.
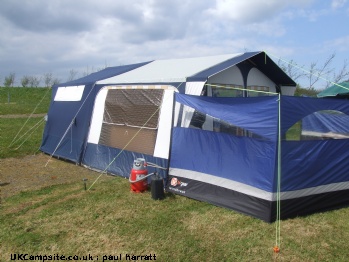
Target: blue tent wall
(241, 173)
(66, 128)
(315, 173)
(117, 161)
(68, 122)
(236, 172)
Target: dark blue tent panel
(103, 74)
(243, 112)
(117, 161)
(68, 121)
(294, 109)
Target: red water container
(137, 177)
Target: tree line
(310, 76)
(46, 80)
(31, 81)
(313, 74)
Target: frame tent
(217, 126)
(114, 142)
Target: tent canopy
(341, 89)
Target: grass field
(108, 220)
(20, 134)
(17, 100)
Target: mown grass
(20, 136)
(109, 220)
(18, 100)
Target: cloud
(58, 35)
(39, 16)
(253, 11)
(338, 3)
(339, 44)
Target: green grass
(22, 136)
(294, 133)
(109, 220)
(18, 100)
(18, 144)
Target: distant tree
(300, 91)
(48, 79)
(72, 75)
(34, 81)
(9, 80)
(316, 72)
(25, 81)
(55, 81)
(88, 71)
(322, 71)
(341, 75)
(292, 69)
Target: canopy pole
(278, 189)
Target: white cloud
(252, 11)
(338, 3)
(59, 35)
(339, 44)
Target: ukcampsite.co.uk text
(89, 257)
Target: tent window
(321, 125)
(257, 88)
(130, 119)
(69, 93)
(202, 121)
(222, 90)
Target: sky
(58, 36)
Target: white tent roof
(166, 71)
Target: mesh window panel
(126, 112)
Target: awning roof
(198, 69)
(103, 74)
(167, 71)
(341, 89)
